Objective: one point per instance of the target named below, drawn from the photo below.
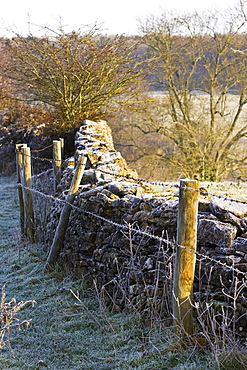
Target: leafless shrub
(8, 319)
(143, 285)
(220, 317)
(143, 282)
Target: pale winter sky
(115, 16)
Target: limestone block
(240, 244)
(203, 205)
(122, 188)
(140, 216)
(220, 207)
(216, 233)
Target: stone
(94, 140)
(122, 188)
(243, 224)
(203, 205)
(240, 244)
(91, 192)
(99, 131)
(167, 208)
(140, 216)
(89, 177)
(216, 233)
(220, 207)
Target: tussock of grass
(230, 360)
(9, 319)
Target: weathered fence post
(57, 161)
(64, 216)
(185, 259)
(19, 170)
(27, 194)
(61, 139)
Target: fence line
(128, 227)
(157, 183)
(41, 150)
(206, 193)
(186, 252)
(66, 161)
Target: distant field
(202, 100)
(145, 149)
(228, 189)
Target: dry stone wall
(134, 267)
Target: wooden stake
(61, 139)
(19, 171)
(64, 216)
(185, 260)
(57, 157)
(27, 194)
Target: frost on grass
(9, 319)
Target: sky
(113, 16)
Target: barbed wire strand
(157, 183)
(206, 193)
(41, 150)
(127, 177)
(138, 231)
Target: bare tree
(78, 74)
(203, 78)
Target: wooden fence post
(61, 139)
(27, 194)
(57, 161)
(185, 259)
(64, 216)
(19, 170)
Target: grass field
(70, 328)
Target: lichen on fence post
(185, 257)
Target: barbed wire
(203, 192)
(140, 180)
(41, 150)
(128, 177)
(138, 231)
